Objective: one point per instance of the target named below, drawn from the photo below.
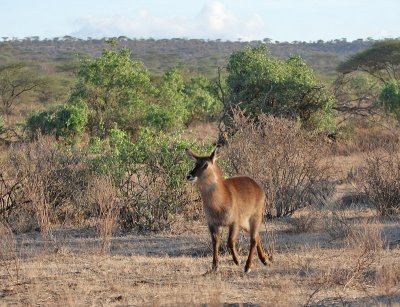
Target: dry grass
(334, 254)
(367, 136)
(105, 195)
(53, 181)
(170, 270)
(9, 260)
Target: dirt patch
(171, 270)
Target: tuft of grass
(367, 243)
(9, 259)
(387, 277)
(105, 195)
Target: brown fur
(237, 202)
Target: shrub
(113, 156)
(261, 83)
(112, 84)
(202, 103)
(66, 121)
(283, 158)
(150, 173)
(161, 117)
(170, 109)
(390, 97)
(155, 190)
(53, 179)
(380, 180)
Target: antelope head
(204, 167)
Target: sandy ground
(310, 268)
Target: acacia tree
(16, 80)
(258, 82)
(378, 69)
(382, 61)
(356, 93)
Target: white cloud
(216, 16)
(214, 21)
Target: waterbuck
(237, 202)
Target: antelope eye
(204, 166)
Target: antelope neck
(210, 183)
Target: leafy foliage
(150, 173)
(66, 121)
(202, 102)
(169, 108)
(119, 93)
(390, 97)
(114, 87)
(114, 155)
(260, 83)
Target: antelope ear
(191, 155)
(214, 154)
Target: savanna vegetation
(94, 206)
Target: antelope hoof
(236, 261)
(247, 270)
(266, 262)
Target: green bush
(114, 87)
(161, 118)
(260, 83)
(390, 97)
(114, 155)
(66, 121)
(151, 174)
(202, 103)
(171, 103)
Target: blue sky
(282, 20)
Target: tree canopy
(382, 61)
(258, 82)
(114, 87)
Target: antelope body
(237, 202)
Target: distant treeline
(194, 56)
